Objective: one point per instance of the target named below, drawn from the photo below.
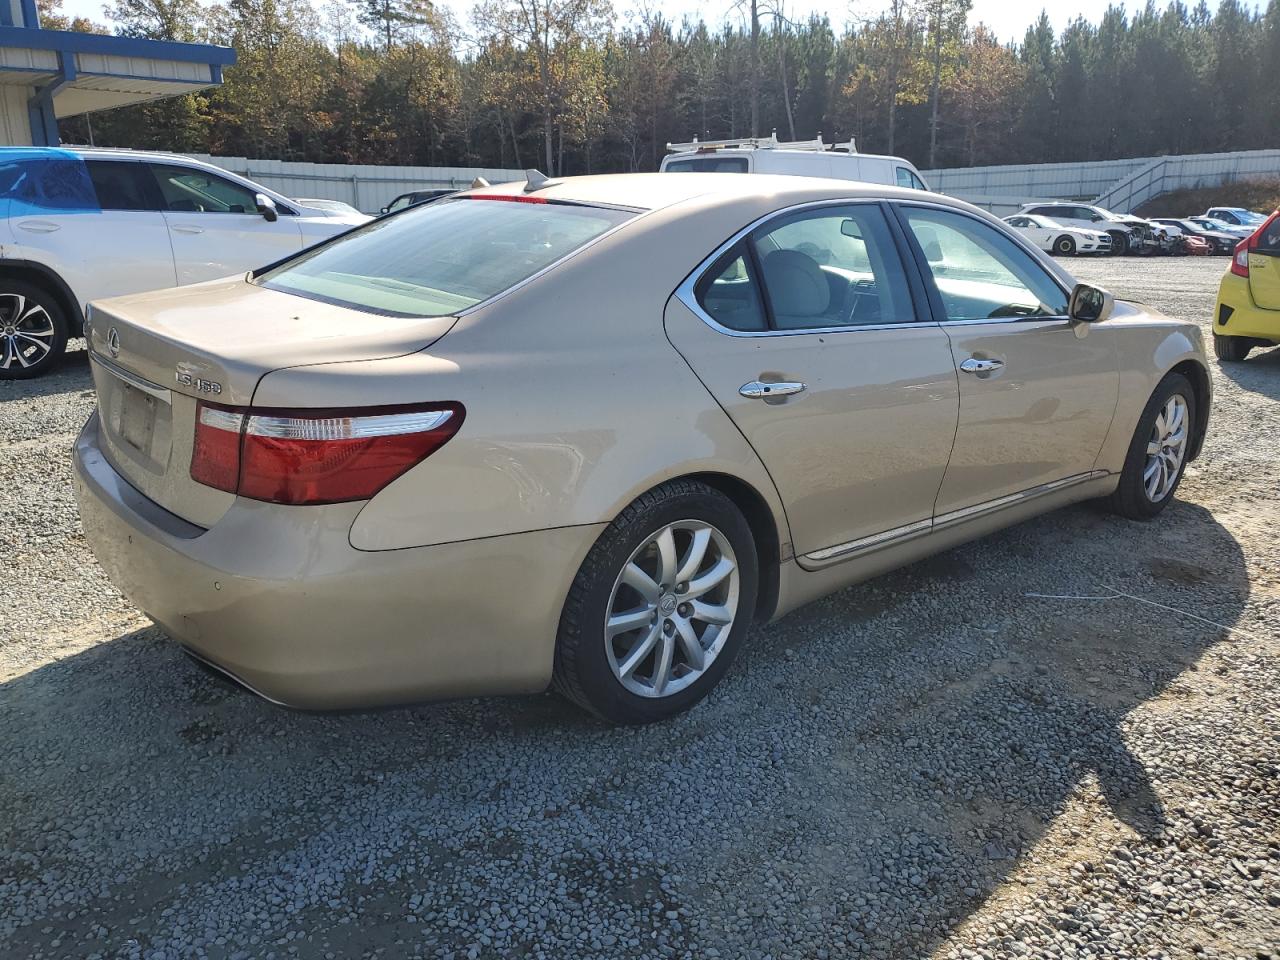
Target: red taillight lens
(1240, 259)
(316, 456)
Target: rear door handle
(756, 390)
(974, 365)
(187, 228)
(38, 226)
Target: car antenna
(535, 180)
(479, 182)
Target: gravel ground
(934, 764)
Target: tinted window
(195, 191)
(1269, 236)
(442, 257)
(728, 292)
(831, 267)
(708, 165)
(122, 185)
(980, 273)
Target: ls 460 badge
(197, 383)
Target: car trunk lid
(155, 356)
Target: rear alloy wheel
(659, 607)
(1064, 247)
(33, 333)
(1231, 349)
(1158, 452)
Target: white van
(804, 158)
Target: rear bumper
(278, 598)
(1244, 318)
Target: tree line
(564, 86)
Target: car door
(805, 330)
(1264, 266)
(214, 224)
(1037, 391)
(95, 224)
(1041, 236)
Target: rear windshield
(443, 257)
(707, 165)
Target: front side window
(122, 185)
(442, 257)
(908, 179)
(711, 164)
(188, 190)
(980, 273)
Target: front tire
(33, 330)
(660, 606)
(1064, 247)
(1119, 243)
(1231, 349)
(1157, 454)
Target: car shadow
(874, 767)
(70, 376)
(1259, 374)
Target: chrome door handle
(756, 390)
(974, 365)
(38, 226)
(187, 228)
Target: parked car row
(1068, 229)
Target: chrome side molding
(897, 535)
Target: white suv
(80, 225)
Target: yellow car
(1249, 296)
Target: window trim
(925, 312)
(931, 287)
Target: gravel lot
(934, 764)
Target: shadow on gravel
(874, 767)
(70, 376)
(1259, 374)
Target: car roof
(651, 191)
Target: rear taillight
(1240, 259)
(315, 456)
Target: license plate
(137, 418)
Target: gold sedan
(583, 432)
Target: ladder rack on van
(770, 142)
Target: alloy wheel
(672, 608)
(27, 332)
(1166, 449)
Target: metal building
(49, 74)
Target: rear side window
(122, 185)
(818, 269)
(442, 257)
(707, 165)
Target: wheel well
(1199, 378)
(763, 529)
(41, 276)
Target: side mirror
(1090, 304)
(266, 207)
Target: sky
(1009, 19)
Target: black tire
(17, 301)
(582, 671)
(1064, 247)
(1119, 243)
(1130, 497)
(1231, 349)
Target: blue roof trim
(66, 41)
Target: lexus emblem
(113, 342)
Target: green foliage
(559, 85)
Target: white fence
(1118, 185)
(366, 187)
